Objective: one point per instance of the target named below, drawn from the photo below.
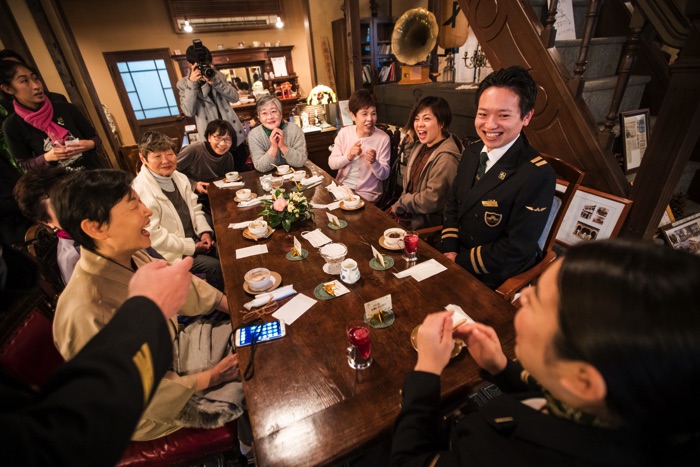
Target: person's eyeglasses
(225, 139)
(267, 309)
(269, 113)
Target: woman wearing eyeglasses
(211, 159)
(275, 141)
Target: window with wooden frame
(224, 15)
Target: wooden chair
(42, 244)
(572, 177)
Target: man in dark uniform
(87, 411)
(504, 189)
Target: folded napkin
(316, 238)
(422, 271)
(253, 202)
(251, 251)
(225, 184)
(330, 207)
(243, 225)
(459, 314)
(294, 308)
(339, 192)
(288, 176)
(311, 180)
(264, 298)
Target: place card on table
(333, 219)
(294, 308)
(225, 184)
(316, 238)
(382, 303)
(242, 225)
(297, 246)
(251, 251)
(265, 298)
(422, 271)
(378, 255)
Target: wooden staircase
(577, 125)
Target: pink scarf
(42, 119)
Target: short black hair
(518, 80)
(361, 99)
(438, 106)
(33, 188)
(8, 70)
(191, 55)
(6, 54)
(91, 195)
(630, 309)
(223, 128)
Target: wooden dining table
(307, 406)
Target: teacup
(231, 176)
(243, 194)
(283, 169)
(299, 175)
(256, 43)
(258, 228)
(258, 279)
(349, 272)
(393, 236)
(352, 202)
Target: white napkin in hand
(278, 294)
(459, 314)
(243, 225)
(225, 184)
(311, 180)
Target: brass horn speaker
(414, 36)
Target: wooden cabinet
(317, 146)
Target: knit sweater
(259, 143)
(200, 165)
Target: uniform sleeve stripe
(536, 159)
(540, 164)
(450, 229)
(473, 260)
(481, 260)
(452, 235)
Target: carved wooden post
(549, 33)
(623, 76)
(576, 83)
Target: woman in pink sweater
(362, 152)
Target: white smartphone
(260, 333)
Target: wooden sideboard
(317, 144)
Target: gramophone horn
(414, 36)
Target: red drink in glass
(360, 349)
(410, 245)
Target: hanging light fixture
(279, 23)
(187, 27)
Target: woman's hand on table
(484, 346)
(451, 255)
(435, 343)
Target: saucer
(387, 319)
(226, 180)
(276, 282)
(348, 208)
(252, 197)
(304, 254)
(342, 225)
(321, 294)
(384, 245)
(250, 236)
(459, 343)
(280, 174)
(377, 266)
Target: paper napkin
(277, 294)
(224, 184)
(316, 238)
(294, 308)
(251, 251)
(422, 271)
(242, 225)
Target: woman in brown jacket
(432, 165)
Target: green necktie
(483, 157)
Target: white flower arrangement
(321, 95)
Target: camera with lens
(203, 59)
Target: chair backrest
(42, 244)
(573, 177)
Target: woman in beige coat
(432, 165)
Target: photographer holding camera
(205, 95)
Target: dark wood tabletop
(306, 405)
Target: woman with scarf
(275, 141)
(41, 132)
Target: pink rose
(279, 204)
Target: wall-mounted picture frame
(634, 129)
(344, 110)
(592, 215)
(684, 234)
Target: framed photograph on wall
(592, 215)
(634, 128)
(684, 234)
